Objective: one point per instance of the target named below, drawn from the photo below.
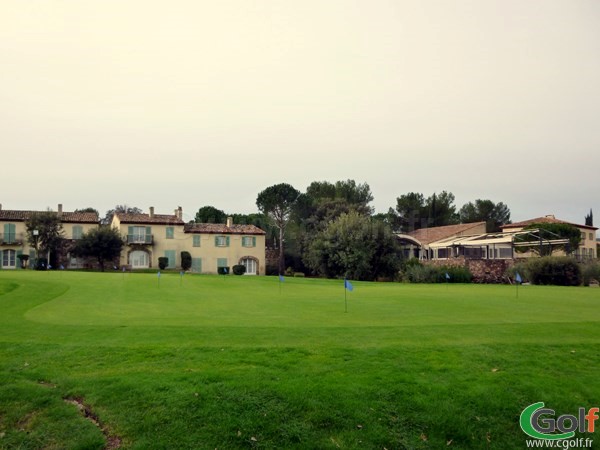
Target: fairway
(247, 362)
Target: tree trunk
(281, 257)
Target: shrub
(239, 269)
(590, 271)
(299, 274)
(419, 273)
(186, 260)
(41, 264)
(522, 268)
(163, 262)
(23, 260)
(550, 270)
(223, 270)
(458, 274)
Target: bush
(299, 274)
(522, 268)
(186, 260)
(550, 270)
(223, 270)
(41, 264)
(590, 271)
(239, 269)
(163, 262)
(419, 273)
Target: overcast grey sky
(193, 103)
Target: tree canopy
(415, 211)
(277, 202)
(356, 247)
(121, 209)
(493, 214)
(103, 244)
(210, 214)
(44, 231)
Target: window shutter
(1, 259)
(253, 241)
(129, 231)
(227, 241)
(148, 235)
(17, 260)
(216, 241)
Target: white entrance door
(139, 260)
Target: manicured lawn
(231, 362)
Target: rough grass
(232, 362)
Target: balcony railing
(140, 239)
(11, 238)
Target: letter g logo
(530, 426)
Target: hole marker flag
(158, 274)
(348, 285)
(447, 276)
(281, 278)
(518, 278)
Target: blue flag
(181, 273)
(123, 268)
(518, 278)
(62, 267)
(281, 278)
(447, 276)
(158, 274)
(348, 285)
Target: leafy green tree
(186, 260)
(493, 214)
(210, 214)
(88, 210)
(354, 246)
(44, 232)
(277, 202)
(103, 244)
(415, 211)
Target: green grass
(230, 362)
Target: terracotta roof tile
(544, 219)
(221, 228)
(7, 215)
(157, 219)
(428, 235)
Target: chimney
(550, 216)
(151, 211)
(0, 206)
(60, 209)
(229, 221)
(180, 212)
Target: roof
(156, 219)
(221, 228)
(428, 235)
(7, 215)
(544, 219)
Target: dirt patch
(112, 441)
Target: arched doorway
(251, 265)
(139, 259)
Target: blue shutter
(171, 255)
(148, 235)
(1, 259)
(17, 260)
(227, 241)
(216, 241)
(253, 241)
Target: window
(9, 233)
(221, 262)
(583, 235)
(171, 255)
(139, 235)
(591, 236)
(222, 241)
(196, 240)
(170, 232)
(77, 231)
(9, 258)
(248, 241)
(197, 265)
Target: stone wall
(483, 270)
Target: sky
(195, 103)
